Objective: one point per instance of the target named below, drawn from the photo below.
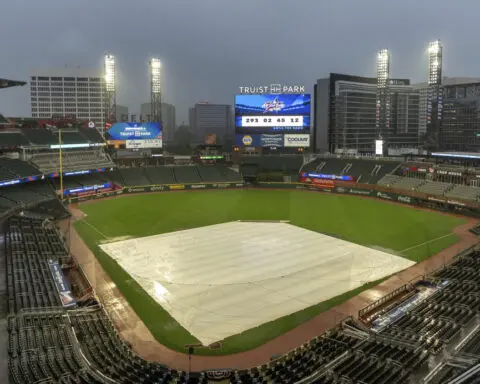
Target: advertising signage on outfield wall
(322, 183)
(88, 188)
(306, 177)
(180, 187)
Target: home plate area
(220, 280)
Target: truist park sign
(272, 89)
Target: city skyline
(202, 64)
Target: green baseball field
(404, 231)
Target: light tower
(110, 88)
(435, 92)
(382, 122)
(155, 90)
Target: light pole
(60, 156)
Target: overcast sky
(211, 47)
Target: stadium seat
(73, 137)
(73, 160)
(91, 135)
(160, 175)
(365, 171)
(40, 136)
(13, 139)
(464, 192)
(187, 174)
(435, 188)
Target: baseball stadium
(186, 273)
(257, 262)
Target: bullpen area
(196, 269)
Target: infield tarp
(221, 280)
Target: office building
(73, 92)
(121, 113)
(212, 119)
(168, 120)
(422, 88)
(460, 125)
(345, 115)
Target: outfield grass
(412, 233)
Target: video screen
(273, 114)
(135, 131)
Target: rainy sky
(211, 47)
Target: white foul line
(95, 229)
(426, 242)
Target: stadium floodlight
(109, 66)
(155, 72)
(382, 113)
(383, 68)
(110, 86)
(435, 92)
(156, 89)
(434, 47)
(434, 62)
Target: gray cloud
(210, 47)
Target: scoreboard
(272, 120)
(266, 113)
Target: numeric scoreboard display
(267, 114)
(279, 122)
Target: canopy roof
(5, 83)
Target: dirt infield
(144, 344)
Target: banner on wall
(64, 292)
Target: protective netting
(220, 280)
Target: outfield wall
(327, 186)
(152, 188)
(438, 203)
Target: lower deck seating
(210, 174)
(25, 195)
(229, 174)
(175, 174)
(434, 188)
(72, 160)
(134, 177)
(42, 348)
(160, 175)
(101, 344)
(187, 174)
(409, 183)
(389, 180)
(464, 192)
(365, 171)
(29, 246)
